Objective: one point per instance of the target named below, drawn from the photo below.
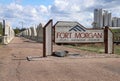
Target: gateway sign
(73, 32)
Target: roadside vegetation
(97, 48)
(116, 33)
(18, 30)
(117, 49)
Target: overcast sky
(32, 12)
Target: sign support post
(108, 40)
(47, 39)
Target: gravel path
(84, 66)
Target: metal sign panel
(72, 32)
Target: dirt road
(83, 67)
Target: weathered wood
(73, 32)
(47, 40)
(108, 40)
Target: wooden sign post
(47, 39)
(108, 40)
(73, 32)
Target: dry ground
(78, 66)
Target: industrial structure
(104, 18)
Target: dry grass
(99, 48)
(117, 49)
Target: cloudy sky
(32, 12)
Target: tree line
(18, 30)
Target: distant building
(118, 22)
(98, 18)
(110, 19)
(104, 18)
(114, 21)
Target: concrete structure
(8, 33)
(103, 18)
(29, 33)
(38, 36)
(118, 22)
(39, 33)
(110, 19)
(100, 18)
(33, 33)
(96, 18)
(114, 22)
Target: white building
(96, 18)
(114, 21)
(118, 22)
(100, 18)
(104, 18)
(109, 19)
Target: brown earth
(78, 66)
